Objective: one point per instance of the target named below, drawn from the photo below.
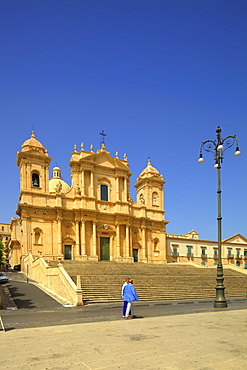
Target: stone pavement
(173, 336)
(215, 340)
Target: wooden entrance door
(105, 249)
(68, 252)
(135, 255)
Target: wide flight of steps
(101, 282)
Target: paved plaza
(43, 334)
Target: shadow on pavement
(20, 302)
(28, 296)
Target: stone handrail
(54, 278)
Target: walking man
(125, 302)
(130, 295)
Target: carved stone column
(125, 190)
(24, 176)
(127, 246)
(83, 238)
(144, 247)
(82, 182)
(93, 255)
(29, 176)
(26, 235)
(77, 239)
(59, 235)
(91, 184)
(117, 189)
(131, 241)
(117, 241)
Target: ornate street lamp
(218, 147)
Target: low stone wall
(54, 278)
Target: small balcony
(245, 256)
(189, 254)
(175, 254)
(230, 255)
(203, 255)
(238, 257)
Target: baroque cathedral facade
(95, 218)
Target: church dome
(33, 143)
(149, 171)
(56, 172)
(56, 184)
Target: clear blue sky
(158, 76)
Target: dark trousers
(124, 308)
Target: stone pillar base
(118, 259)
(157, 261)
(81, 258)
(145, 260)
(93, 258)
(127, 259)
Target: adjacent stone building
(5, 238)
(189, 248)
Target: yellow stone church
(93, 219)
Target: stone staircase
(101, 282)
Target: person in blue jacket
(125, 302)
(129, 295)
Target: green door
(67, 252)
(105, 249)
(135, 255)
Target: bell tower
(150, 191)
(34, 163)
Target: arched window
(155, 199)
(141, 198)
(35, 180)
(37, 236)
(104, 192)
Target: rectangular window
(238, 253)
(104, 192)
(215, 253)
(229, 252)
(175, 251)
(203, 252)
(245, 253)
(189, 251)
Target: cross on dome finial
(102, 138)
(33, 135)
(149, 161)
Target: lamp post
(218, 147)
